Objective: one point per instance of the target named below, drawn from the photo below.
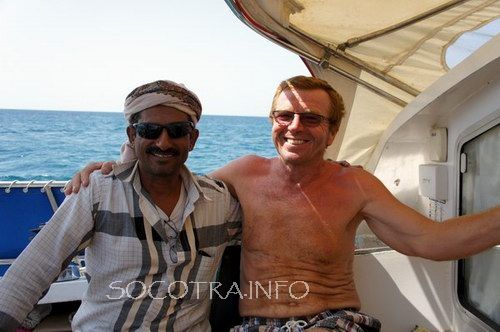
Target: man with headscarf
(154, 233)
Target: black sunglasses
(153, 131)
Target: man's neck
(301, 173)
(164, 191)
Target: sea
(53, 145)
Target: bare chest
(290, 222)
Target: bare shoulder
(349, 173)
(358, 179)
(251, 161)
(244, 165)
(241, 169)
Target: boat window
(367, 242)
(479, 275)
(469, 42)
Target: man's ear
(331, 136)
(131, 134)
(192, 138)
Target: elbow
(435, 254)
(439, 258)
(428, 255)
(430, 251)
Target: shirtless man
(301, 215)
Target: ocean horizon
(47, 145)
(117, 111)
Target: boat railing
(25, 207)
(43, 185)
(8, 185)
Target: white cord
(292, 324)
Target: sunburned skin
(297, 248)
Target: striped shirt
(141, 275)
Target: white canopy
(378, 54)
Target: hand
(81, 178)
(344, 163)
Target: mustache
(155, 149)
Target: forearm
(23, 285)
(465, 236)
(40, 263)
(410, 233)
(25, 282)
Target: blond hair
(337, 109)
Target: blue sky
(471, 41)
(87, 55)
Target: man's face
(162, 156)
(297, 142)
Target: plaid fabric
(137, 273)
(345, 320)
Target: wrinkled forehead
(298, 100)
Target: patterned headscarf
(165, 93)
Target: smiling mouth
(169, 153)
(294, 141)
(163, 155)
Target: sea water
(53, 145)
